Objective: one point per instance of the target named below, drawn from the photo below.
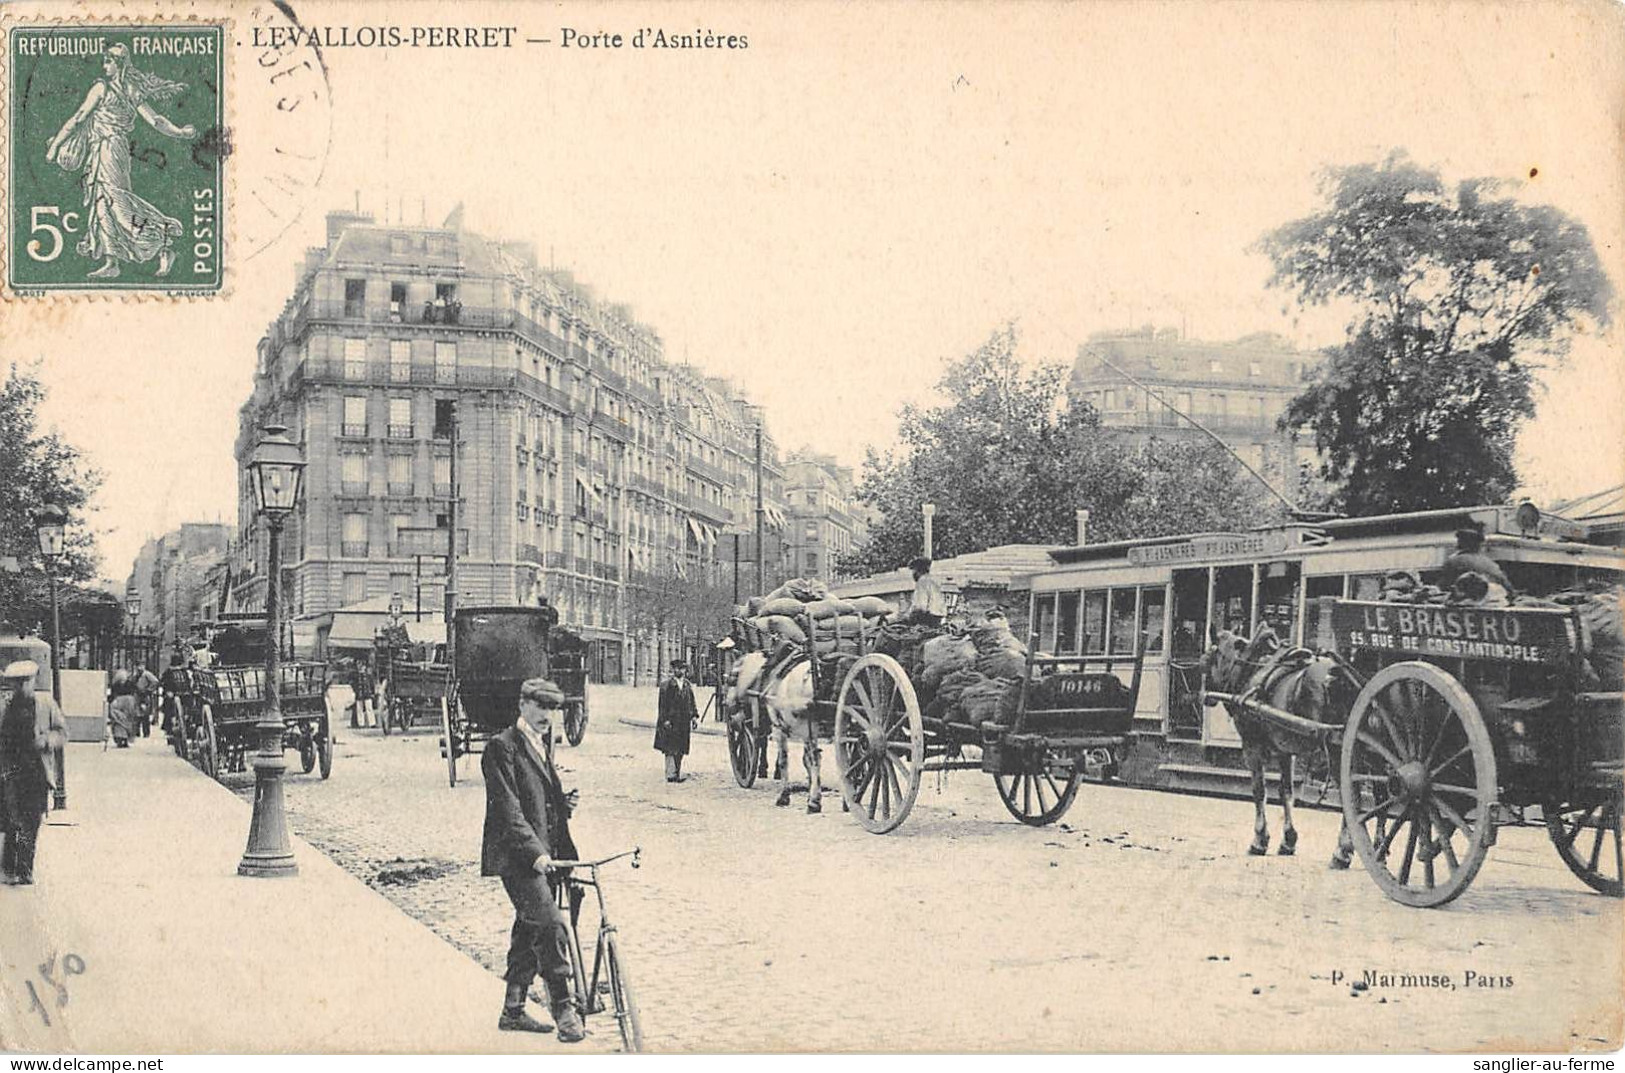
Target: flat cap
(21, 668)
(543, 691)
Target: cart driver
(1468, 558)
(527, 827)
(929, 606)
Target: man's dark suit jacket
(526, 815)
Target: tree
(1008, 459)
(39, 467)
(669, 605)
(1460, 298)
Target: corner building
(588, 462)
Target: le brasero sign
(1531, 635)
(1202, 549)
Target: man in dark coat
(677, 715)
(527, 827)
(32, 730)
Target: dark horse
(1313, 687)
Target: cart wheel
(742, 743)
(1034, 797)
(208, 746)
(1416, 754)
(1584, 834)
(879, 742)
(575, 722)
(307, 755)
(179, 733)
(448, 739)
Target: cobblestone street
(1139, 923)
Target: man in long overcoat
(32, 730)
(527, 827)
(677, 715)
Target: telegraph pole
(761, 578)
(451, 546)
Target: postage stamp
(116, 159)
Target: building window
(812, 562)
(354, 469)
(355, 415)
(1215, 366)
(355, 359)
(1254, 369)
(400, 475)
(442, 475)
(810, 530)
(1111, 400)
(355, 589)
(1183, 401)
(400, 418)
(354, 535)
(397, 302)
(400, 361)
(1221, 403)
(445, 363)
(355, 298)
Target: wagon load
(998, 653)
(942, 656)
(1602, 619)
(801, 589)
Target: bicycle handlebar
(633, 853)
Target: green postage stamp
(115, 170)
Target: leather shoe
(571, 1030)
(520, 1021)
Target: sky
(865, 192)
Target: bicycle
(608, 973)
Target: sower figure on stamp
(527, 826)
(31, 731)
(95, 141)
(677, 715)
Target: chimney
(1083, 526)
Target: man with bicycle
(527, 827)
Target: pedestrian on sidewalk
(123, 711)
(527, 827)
(32, 730)
(146, 696)
(677, 716)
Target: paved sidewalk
(180, 954)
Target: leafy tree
(668, 605)
(1460, 298)
(40, 467)
(1008, 458)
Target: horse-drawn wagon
(497, 649)
(1466, 718)
(1036, 728)
(414, 679)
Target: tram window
(1365, 586)
(1232, 599)
(1278, 598)
(1066, 628)
(1094, 623)
(1044, 622)
(1122, 617)
(1331, 585)
(1152, 600)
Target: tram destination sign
(1502, 635)
(1202, 549)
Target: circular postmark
(284, 103)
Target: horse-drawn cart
(497, 649)
(416, 685)
(1062, 714)
(1467, 717)
(220, 718)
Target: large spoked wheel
(448, 738)
(575, 721)
(180, 734)
(1587, 837)
(1418, 784)
(208, 745)
(742, 742)
(1043, 792)
(879, 742)
(626, 1009)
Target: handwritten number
(36, 1004)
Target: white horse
(786, 690)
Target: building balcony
(643, 391)
(402, 489)
(529, 553)
(583, 565)
(352, 549)
(711, 511)
(356, 432)
(598, 517)
(710, 472)
(400, 432)
(607, 571)
(602, 370)
(581, 462)
(613, 426)
(352, 488)
(557, 560)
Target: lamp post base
(269, 854)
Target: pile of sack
(975, 678)
(837, 625)
(1602, 617)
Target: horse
(785, 687)
(1313, 686)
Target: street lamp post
(50, 522)
(132, 608)
(275, 473)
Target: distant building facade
(588, 463)
(823, 525)
(1237, 390)
(180, 579)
